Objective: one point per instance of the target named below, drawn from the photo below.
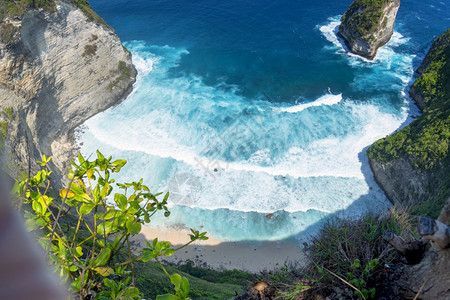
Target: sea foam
(244, 157)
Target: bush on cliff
(94, 252)
(425, 143)
(363, 15)
(349, 260)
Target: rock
(57, 69)
(368, 24)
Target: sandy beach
(220, 255)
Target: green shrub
(94, 252)
(364, 16)
(345, 252)
(89, 50)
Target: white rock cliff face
(61, 69)
(367, 42)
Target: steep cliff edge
(413, 165)
(59, 65)
(368, 24)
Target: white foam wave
(305, 161)
(328, 99)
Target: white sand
(217, 254)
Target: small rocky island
(367, 25)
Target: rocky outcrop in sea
(368, 25)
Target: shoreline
(250, 256)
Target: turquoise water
(242, 109)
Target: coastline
(250, 256)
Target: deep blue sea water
(245, 108)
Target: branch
(435, 231)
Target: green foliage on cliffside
(16, 8)
(363, 16)
(88, 11)
(427, 139)
(434, 83)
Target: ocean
(252, 114)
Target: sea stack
(368, 24)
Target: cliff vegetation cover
(16, 8)
(426, 141)
(362, 16)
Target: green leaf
(166, 197)
(355, 264)
(147, 255)
(78, 251)
(131, 292)
(134, 227)
(184, 286)
(176, 280)
(146, 218)
(169, 252)
(81, 158)
(103, 258)
(37, 207)
(64, 192)
(111, 213)
(121, 201)
(105, 228)
(104, 271)
(86, 208)
(118, 164)
(73, 268)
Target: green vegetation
(433, 84)
(124, 72)
(94, 252)
(349, 256)
(16, 8)
(8, 33)
(152, 281)
(426, 141)
(89, 50)
(364, 16)
(236, 277)
(8, 113)
(88, 11)
(3, 134)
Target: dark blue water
(244, 108)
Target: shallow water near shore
(253, 116)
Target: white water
(228, 160)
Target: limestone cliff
(58, 66)
(368, 24)
(413, 165)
